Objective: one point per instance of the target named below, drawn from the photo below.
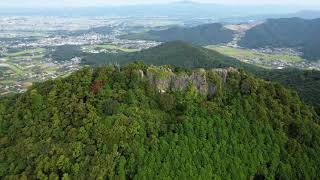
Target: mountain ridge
(206, 34)
(298, 33)
(185, 55)
(110, 122)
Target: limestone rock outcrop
(164, 79)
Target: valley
(279, 58)
(32, 52)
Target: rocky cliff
(164, 79)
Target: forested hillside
(113, 123)
(306, 82)
(176, 53)
(207, 34)
(64, 52)
(287, 32)
(180, 54)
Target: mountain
(304, 14)
(63, 53)
(175, 53)
(286, 32)
(306, 82)
(149, 122)
(181, 54)
(207, 34)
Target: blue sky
(25, 3)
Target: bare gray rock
(165, 80)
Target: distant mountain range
(304, 14)
(300, 34)
(206, 34)
(183, 9)
(297, 33)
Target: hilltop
(298, 33)
(130, 123)
(181, 54)
(207, 34)
(175, 53)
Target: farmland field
(252, 54)
(109, 47)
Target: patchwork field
(20, 68)
(244, 54)
(274, 59)
(108, 47)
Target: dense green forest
(287, 32)
(64, 52)
(112, 123)
(175, 53)
(181, 54)
(307, 82)
(207, 34)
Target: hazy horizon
(95, 3)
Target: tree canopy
(111, 123)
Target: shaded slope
(175, 53)
(287, 32)
(207, 34)
(306, 82)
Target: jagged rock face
(165, 80)
(223, 73)
(141, 74)
(212, 89)
(196, 79)
(161, 79)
